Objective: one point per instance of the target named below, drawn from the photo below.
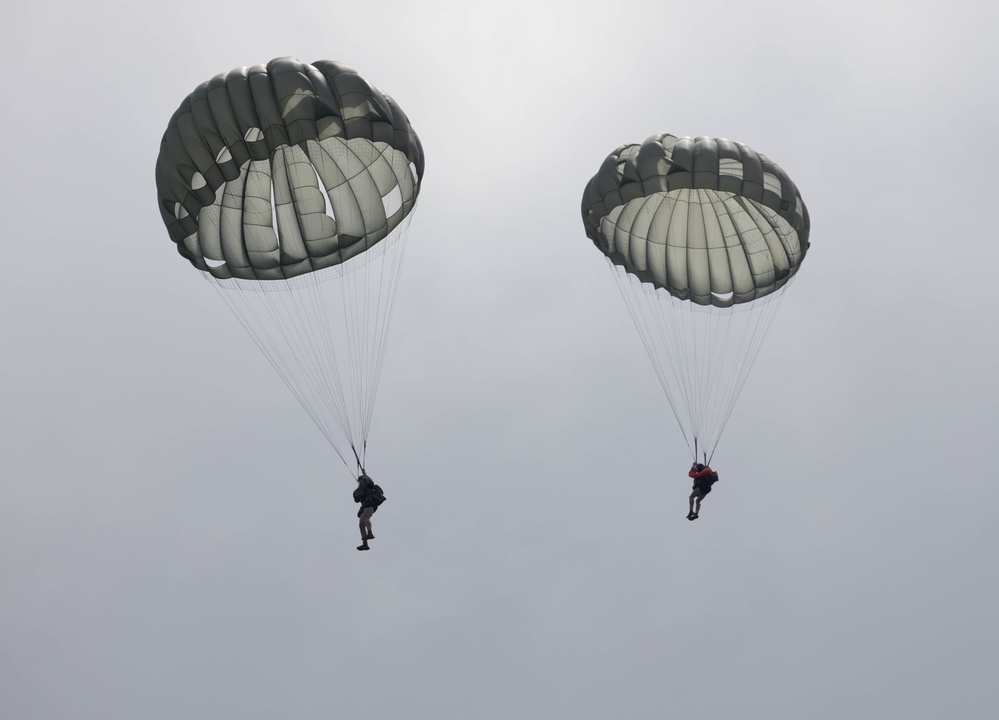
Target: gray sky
(176, 539)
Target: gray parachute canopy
(705, 219)
(272, 172)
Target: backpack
(377, 495)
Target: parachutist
(704, 477)
(370, 496)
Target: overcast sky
(177, 539)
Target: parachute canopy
(703, 235)
(271, 172)
(708, 220)
(290, 186)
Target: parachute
(290, 187)
(704, 236)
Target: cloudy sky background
(177, 540)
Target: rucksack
(377, 495)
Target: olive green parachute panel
(298, 104)
(265, 104)
(240, 204)
(209, 230)
(741, 285)
(716, 253)
(222, 102)
(205, 144)
(272, 172)
(312, 205)
(370, 217)
(180, 204)
(670, 230)
(257, 231)
(291, 216)
(708, 220)
(197, 153)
